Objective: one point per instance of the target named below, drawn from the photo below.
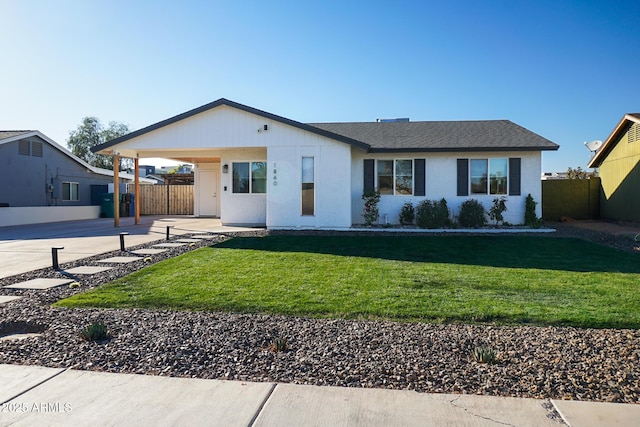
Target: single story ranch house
(256, 168)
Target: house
(618, 160)
(37, 172)
(256, 168)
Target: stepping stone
(87, 269)
(188, 240)
(203, 236)
(169, 245)
(120, 259)
(5, 299)
(14, 337)
(148, 251)
(40, 284)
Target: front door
(208, 193)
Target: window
(395, 177)
(308, 186)
(70, 191)
(249, 177)
(491, 172)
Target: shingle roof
(486, 135)
(4, 134)
(481, 135)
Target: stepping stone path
(5, 299)
(87, 269)
(42, 284)
(120, 259)
(149, 251)
(39, 284)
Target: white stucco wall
(234, 135)
(441, 181)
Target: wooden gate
(164, 199)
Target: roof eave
(459, 149)
(602, 153)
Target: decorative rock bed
(539, 362)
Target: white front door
(208, 193)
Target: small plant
(498, 207)
(371, 212)
(97, 331)
(432, 214)
(530, 217)
(472, 214)
(407, 214)
(278, 344)
(484, 354)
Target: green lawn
(503, 279)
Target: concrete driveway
(26, 248)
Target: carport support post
(116, 190)
(136, 190)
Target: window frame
(71, 184)
(250, 179)
(395, 175)
(488, 177)
(308, 187)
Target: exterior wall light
(225, 168)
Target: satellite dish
(593, 146)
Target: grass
(470, 279)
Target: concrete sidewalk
(38, 396)
(26, 248)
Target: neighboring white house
(257, 168)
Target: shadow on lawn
(547, 253)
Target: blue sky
(566, 70)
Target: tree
(91, 133)
(578, 173)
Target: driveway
(28, 247)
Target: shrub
(498, 207)
(472, 214)
(371, 212)
(278, 345)
(432, 214)
(484, 354)
(407, 214)
(530, 217)
(97, 331)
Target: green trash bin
(106, 205)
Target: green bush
(498, 207)
(97, 331)
(530, 217)
(371, 212)
(472, 214)
(407, 214)
(432, 214)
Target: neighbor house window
(70, 191)
(308, 186)
(249, 177)
(488, 176)
(395, 176)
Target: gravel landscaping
(539, 362)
